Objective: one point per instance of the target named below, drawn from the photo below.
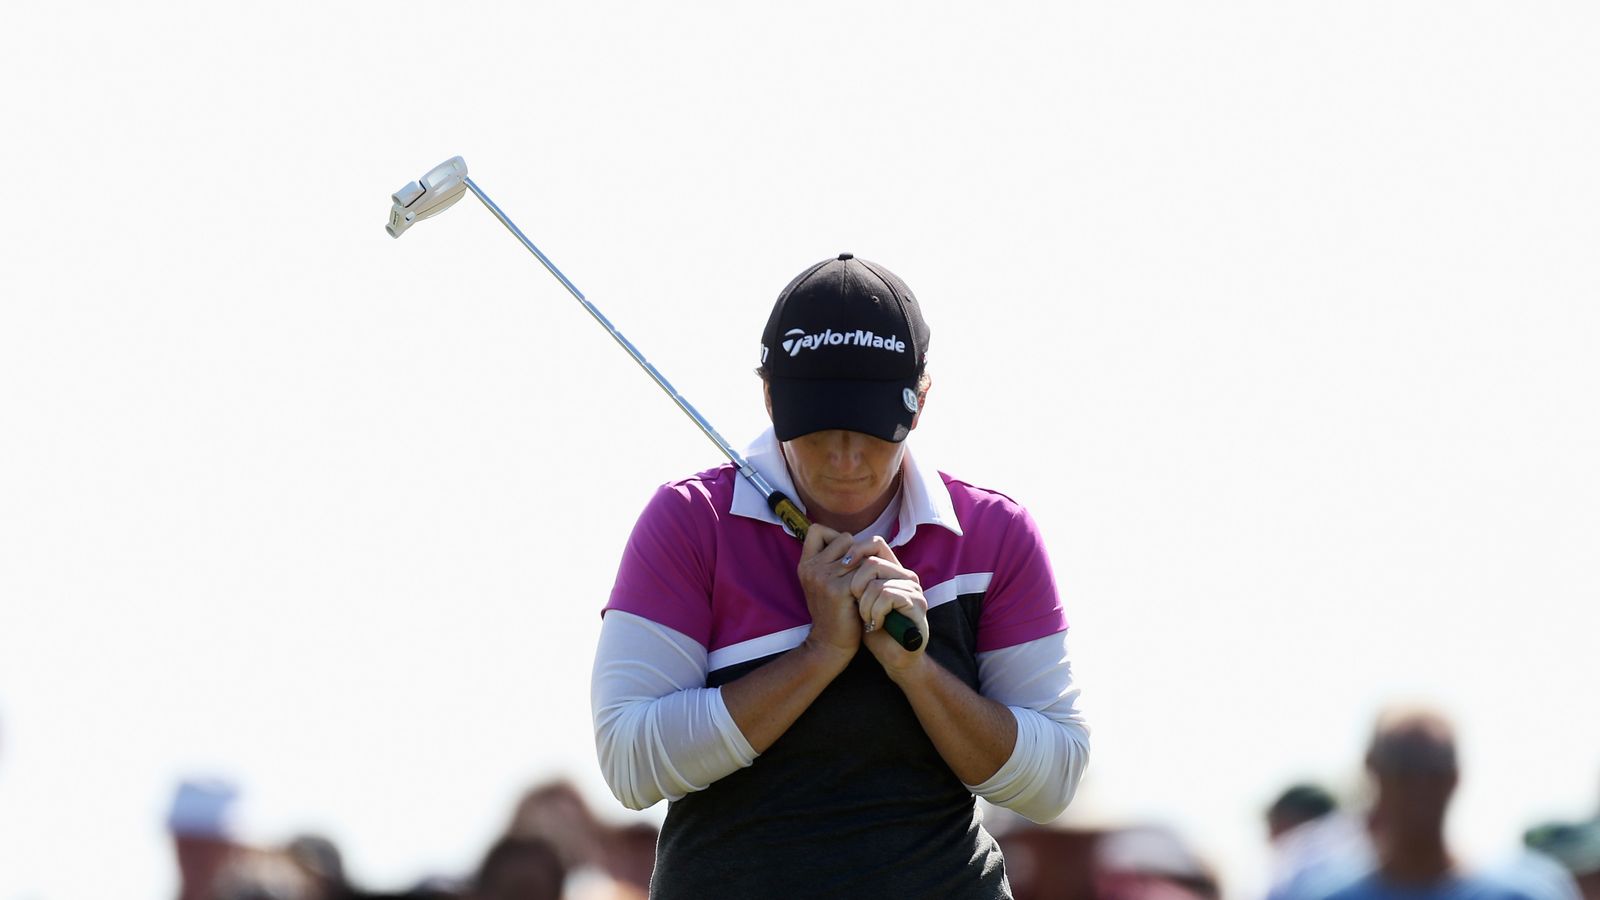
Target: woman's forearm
(767, 700)
(974, 735)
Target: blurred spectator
(1046, 862)
(1297, 806)
(1150, 863)
(630, 854)
(263, 875)
(202, 828)
(435, 889)
(520, 869)
(322, 864)
(1412, 763)
(1576, 847)
(432, 888)
(555, 812)
(599, 865)
(1314, 844)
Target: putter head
(433, 194)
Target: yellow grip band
(791, 516)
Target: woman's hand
(826, 579)
(880, 584)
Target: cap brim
(801, 406)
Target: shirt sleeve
(1021, 603)
(1034, 679)
(666, 570)
(660, 733)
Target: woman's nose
(844, 451)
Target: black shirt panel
(852, 801)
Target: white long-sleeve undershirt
(660, 733)
(1034, 679)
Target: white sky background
(1280, 318)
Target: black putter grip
(903, 630)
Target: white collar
(924, 499)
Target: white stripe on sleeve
(660, 733)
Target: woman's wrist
(914, 675)
(824, 658)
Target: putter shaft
(901, 628)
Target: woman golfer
(747, 678)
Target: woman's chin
(847, 504)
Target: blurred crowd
(553, 848)
(1391, 845)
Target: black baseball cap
(844, 348)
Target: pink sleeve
(1021, 604)
(666, 570)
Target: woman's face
(845, 473)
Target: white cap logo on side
(790, 339)
(909, 398)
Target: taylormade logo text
(796, 339)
